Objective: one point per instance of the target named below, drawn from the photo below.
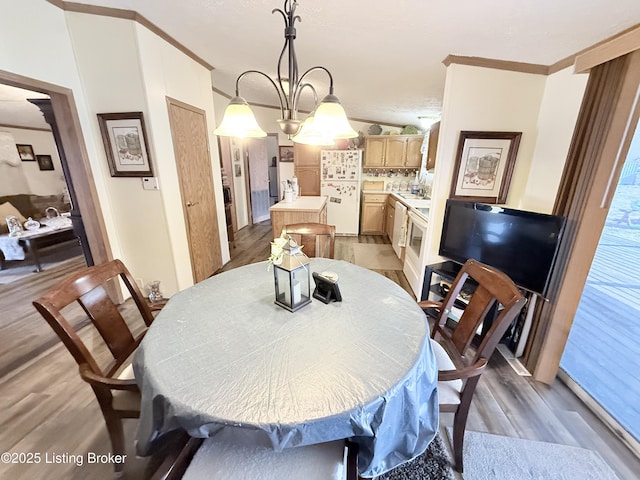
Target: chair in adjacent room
(237, 455)
(113, 384)
(460, 362)
(311, 235)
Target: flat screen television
(522, 244)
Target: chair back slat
(105, 316)
(89, 288)
(493, 288)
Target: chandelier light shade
(330, 120)
(239, 121)
(308, 136)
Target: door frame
(73, 144)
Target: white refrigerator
(340, 172)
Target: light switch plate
(150, 183)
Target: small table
(30, 242)
(222, 355)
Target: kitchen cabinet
(306, 168)
(374, 148)
(413, 156)
(308, 180)
(393, 151)
(434, 133)
(374, 207)
(390, 217)
(301, 210)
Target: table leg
(32, 250)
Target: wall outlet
(140, 284)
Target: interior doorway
(262, 178)
(44, 188)
(602, 354)
(71, 141)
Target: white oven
(416, 251)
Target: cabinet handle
(190, 204)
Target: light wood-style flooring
(46, 408)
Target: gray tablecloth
(221, 354)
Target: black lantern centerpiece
(292, 277)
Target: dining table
(221, 355)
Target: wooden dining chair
(237, 456)
(311, 235)
(113, 384)
(460, 362)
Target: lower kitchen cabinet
(390, 214)
(374, 206)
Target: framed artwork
(286, 154)
(484, 166)
(125, 143)
(44, 162)
(26, 153)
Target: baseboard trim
(512, 360)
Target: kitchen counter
(301, 204)
(413, 202)
(301, 210)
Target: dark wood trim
(561, 65)
(497, 64)
(129, 15)
(21, 127)
(613, 47)
(605, 125)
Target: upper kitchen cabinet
(306, 168)
(433, 146)
(394, 151)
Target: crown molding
(129, 15)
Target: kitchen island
(301, 210)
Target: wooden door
(258, 178)
(193, 160)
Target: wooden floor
(45, 408)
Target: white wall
(27, 176)
(167, 72)
(39, 182)
(117, 65)
(558, 114)
(483, 99)
(50, 61)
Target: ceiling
(385, 57)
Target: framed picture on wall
(44, 162)
(26, 153)
(125, 143)
(286, 154)
(484, 166)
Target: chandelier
(326, 123)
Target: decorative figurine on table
(14, 226)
